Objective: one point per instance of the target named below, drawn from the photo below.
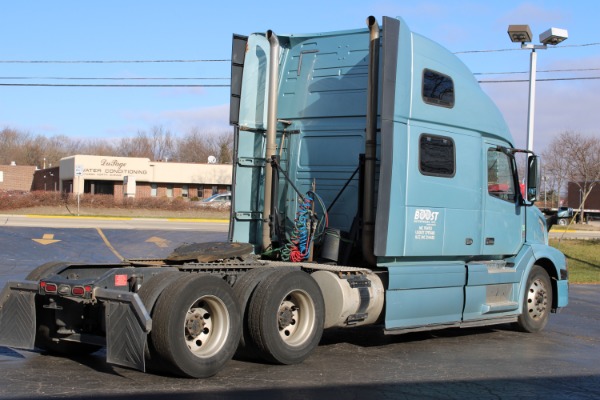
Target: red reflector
(42, 284)
(121, 280)
(88, 288)
(78, 291)
(51, 288)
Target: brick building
(140, 177)
(16, 177)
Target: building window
(438, 89)
(501, 182)
(153, 189)
(215, 189)
(185, 191)
(200, 189)
(436, 156)
(169, 190)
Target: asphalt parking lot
(485, 363)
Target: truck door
(504, 219)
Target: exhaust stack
(271, 146)
(368, 236)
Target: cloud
(529, 13)
(211, 119)
(560, 106)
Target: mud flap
(127, 327)
(17, 315)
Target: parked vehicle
(218, 198)
(414, 223)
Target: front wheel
(285, 317)
(196, 325)
(537, 301)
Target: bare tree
(580, 161)
(225, 145)
(137, 146)
(193, 147)
(162, 143)
(12, 146)
(98, 147)
(554, 167)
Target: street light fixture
(522, 34)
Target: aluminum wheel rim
(206, 326)
(537, 299)
(296, 318)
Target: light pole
(522, 34)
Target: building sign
(114, 167)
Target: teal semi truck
(374, 183)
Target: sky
(186, 30)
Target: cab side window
(501, 183)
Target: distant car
(218, 199)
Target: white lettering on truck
(427, 221)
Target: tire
(149, 294)
(562, 222)
(537, 301)
(196, 325)
(45, 270)
(153, 288)
(285, 317)
(243, 289)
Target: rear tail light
(78, 291)
(49, 287)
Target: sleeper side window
(437, 156)
(438, 89)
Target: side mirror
(533, 178)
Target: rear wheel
(243, 289)
(537, 301)
(196, 325)
(285, 317)
(149, 293)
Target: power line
(107, 85)
(519, 49)
(583, 78)
(541, 71)
(106, 61)
(108, 79)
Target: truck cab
(430, 195)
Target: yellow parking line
(224, 221)
(110, 247)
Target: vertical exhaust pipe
(271, 146)
(368, 236)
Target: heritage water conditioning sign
(115, 168)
